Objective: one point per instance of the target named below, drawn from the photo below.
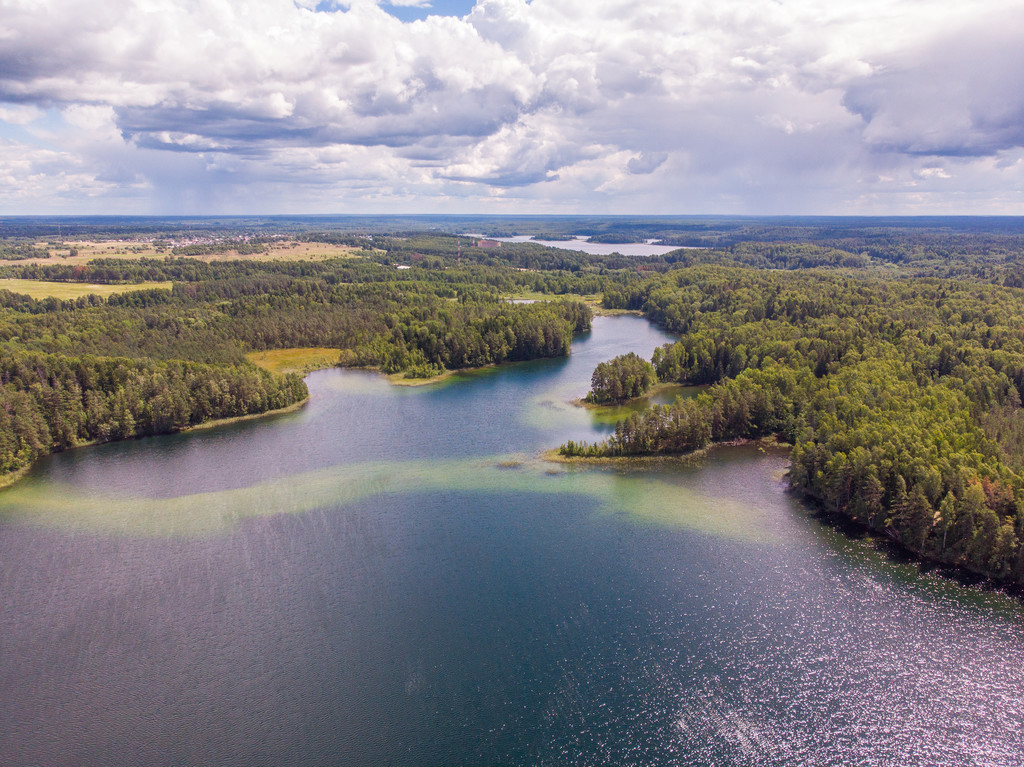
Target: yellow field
(65, 290)
(311, 251)
(290, 251)
(301, 360)
(278, 251)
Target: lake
(597, 248)
(392, 576)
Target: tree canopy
(623, 378)
(901, 398)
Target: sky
(162, 107)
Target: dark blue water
(393, 576)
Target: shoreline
(239, 418)
(399, 379)
(621, 461)
(7, 480)
(11, 479)
(892, 547)
(884, 543)
(654, 391)
(764, 443)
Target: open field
(593, 300)
(530, 295)
(65, 290)
(86, 250)
(290, 251)
(301, 360)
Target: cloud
(739, 105)
(15, 114)
(960, 94)
(646, 162)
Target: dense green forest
(901, 398)
(51, 402)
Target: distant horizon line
(7, 216)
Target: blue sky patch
(436, 8)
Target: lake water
(598, 248)
(392, 576)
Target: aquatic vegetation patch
(647, 495)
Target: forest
(901, 398)
(888, 354)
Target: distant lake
(597, 248)
(392, 576)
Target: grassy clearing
(529, 295)
(298, 360)
(305, 360)
(66, 290)
(593, 300)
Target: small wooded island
(890, 358)
(624, 378)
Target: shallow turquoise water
(393, 576)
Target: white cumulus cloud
(664, 106)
